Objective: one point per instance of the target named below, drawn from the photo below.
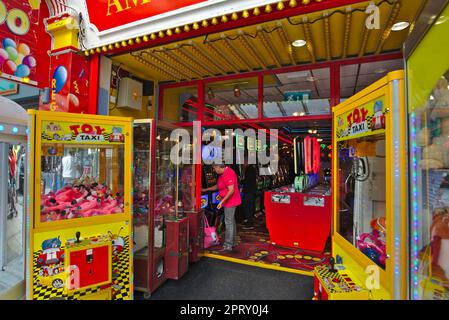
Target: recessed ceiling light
(299, 43)
(380, 70)
(442, 19)
(399, 26)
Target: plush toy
(441, 98)
(374, 244)
(80, 200)
(440, 245)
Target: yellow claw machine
(428, 112)
(79, 223)
(370, 204)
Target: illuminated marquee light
(415, 212)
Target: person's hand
(220, 205)
(203, 190)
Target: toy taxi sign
(362, 121)
(65, 132)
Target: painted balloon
(22, 71)
(8, 42)
(9, 67)
(62, 102)
(12, 53)
(23, 49)
(60, 75)
(19, 59)
(3, 56)
(73, 101)
(29, 61)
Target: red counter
(298, 220)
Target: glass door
(12, 190)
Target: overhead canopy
(334, 34)
(11, 112)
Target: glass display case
(79, 210)
(164, 191)
(12, 204)
(428, 96)
(369, 183)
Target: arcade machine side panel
(79, 172)
(428, 103)
(143, 132)
(361, 204)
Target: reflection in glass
(430, 194)
(299, 93)
(362, 196)
(81, 182)
(141, 185)
(12, 209)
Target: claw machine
(79, 243)
(428, 113)
(369, 179)
(164, 201)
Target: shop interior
(284, 74)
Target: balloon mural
(16, 59)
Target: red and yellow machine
(79, 207)
(369, 187)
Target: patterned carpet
(255, 246)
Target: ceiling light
(296, 114)
(237, 92)
(400, 26)
(380, 70)
(442, 20)
(210, 94)
(299, 43)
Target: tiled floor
(255, 246)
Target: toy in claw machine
(80, 220)
(369, 181)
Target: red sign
(69, 84)
(19, 20)
(108, 14)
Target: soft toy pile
(373, 244)
(80, 201)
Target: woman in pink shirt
(228, 189)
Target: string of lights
(269, 31)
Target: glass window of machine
(362, 180)
(430, 194)
(81, 180)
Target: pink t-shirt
(225, 180)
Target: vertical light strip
(415, 211)
(397, 189)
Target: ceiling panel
(331, 34)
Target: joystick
(332, 265)
(78, 235)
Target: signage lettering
(124, 12)
(119, 7)
(86, 129)
(357, 116)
